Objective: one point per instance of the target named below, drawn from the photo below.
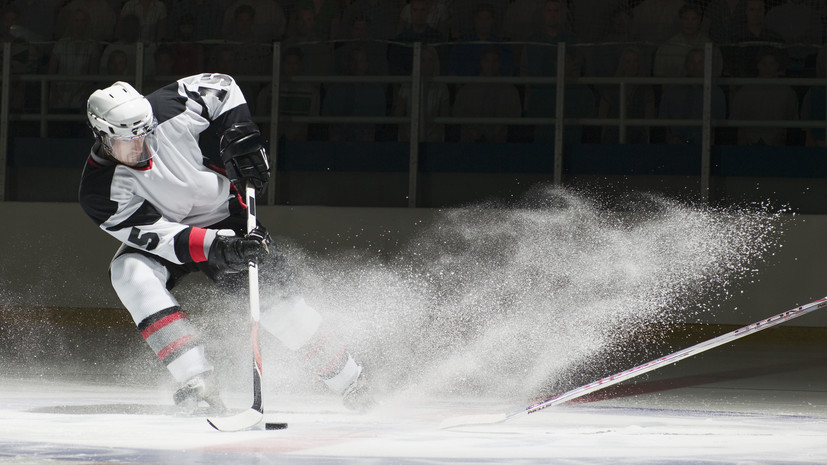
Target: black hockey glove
(244, 157)
(230, 254)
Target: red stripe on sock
(163, 353)
(197, 244)
(317, 346)
(334, 363)
(150, 330)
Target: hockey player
(177, 211)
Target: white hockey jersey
(165, 207)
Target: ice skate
(199, 396)
(358, 396)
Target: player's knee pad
(292, 321)
(140, 283)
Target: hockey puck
(271, 426)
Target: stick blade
(473, 420)
(239, 422)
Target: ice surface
(71, 423)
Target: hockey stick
(252, 416)
(469, 420)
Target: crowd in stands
(489, 38)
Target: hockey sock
(330, 361)
(173, 338)
(299, 327)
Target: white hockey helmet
(124, 121)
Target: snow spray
(506, 300)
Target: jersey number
(148, 240)
(221, 80)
